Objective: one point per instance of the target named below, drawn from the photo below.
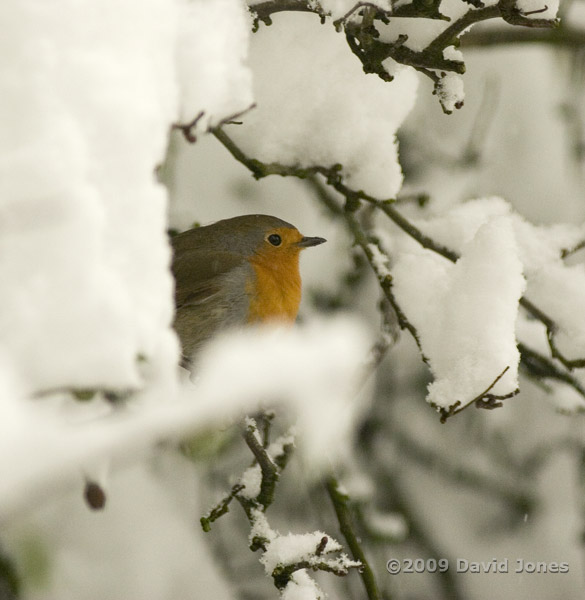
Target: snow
(87, 296)
(452, 53)
(212, 52)
(90, 99)
(314, 369)
(420, 32)
(519, 247)
(294, 548)
(298, 58)
(379, 261)
(277, 447)
(391, 525)
(468, 330)
(450, 91)
(302, 587)
(260, 527)
(555, 286)
(251, 479)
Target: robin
(234, 272)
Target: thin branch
(264, 10)
(187, 128)
(10, 584)
(541, 367)
(338, 23)
(566, 252)
(450, 35)
(340, 503)
(386, 206)
(482, 400)
(563, 36)
(333, 177)
(384, 279)
(270, 471)
(219, 509)
(282, 574)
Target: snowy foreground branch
(519, 257)
(286, 558)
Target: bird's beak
(307, 242)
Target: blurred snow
(212, 50)
(314, 369)
(90, 98)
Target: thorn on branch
(510, 12)
(535, 12)
(188, 129)
(321, 546)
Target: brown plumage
(236, 271)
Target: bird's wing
(198, 277)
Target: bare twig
(220, 509)
(569, 251)
(482, 400)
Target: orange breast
(276, 292)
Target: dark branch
(341, 506)
(333, 177)
(220, 509)
(270, 471)
(482, 400)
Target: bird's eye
(275, 239)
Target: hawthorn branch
(340, 503)
(269, 468)
(540, 366)
(282, 574)
(565, 36)
(372, 250)
(219, 509)
(264, 10)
